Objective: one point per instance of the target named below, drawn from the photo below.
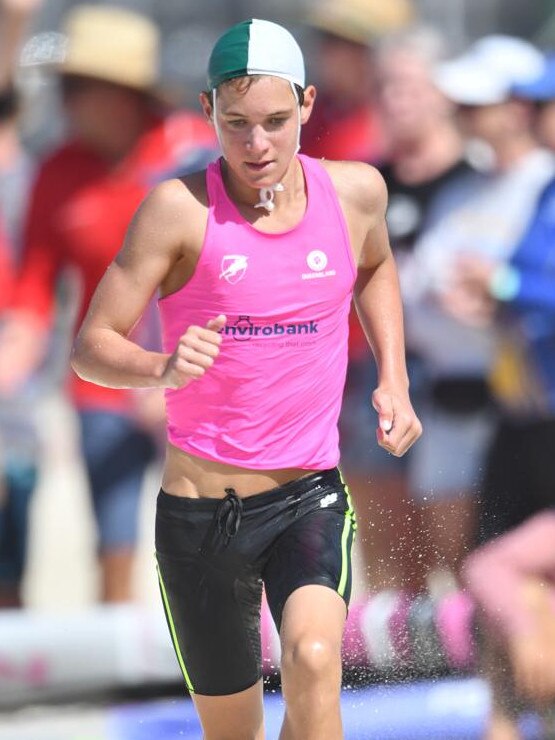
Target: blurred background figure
(19, 445)
(121, 140)
(517, 291)
(7, 271)
(512, 579)
(425, 151)
(16, 15)
(393, 118)
(512, 575)
(483, 213)
(425, 148)
(344, 123)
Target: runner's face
(258, 127)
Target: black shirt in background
(409, 204)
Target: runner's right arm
(155, 246)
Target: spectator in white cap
(482, 213)
(541, 92)
(257, 259)
(486, 73)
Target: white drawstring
(267, 196)
(295, 93)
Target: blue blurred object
(430, 710)
(447, 709)
(541, 88)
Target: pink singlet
(272, 398)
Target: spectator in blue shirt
(518, 503)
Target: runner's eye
(276, 122)
(236, 122)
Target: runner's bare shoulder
(360, 187)
(175, 211)
(357, 182)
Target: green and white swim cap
(256, 47)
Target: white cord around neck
(267, 196)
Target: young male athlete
(256, 260)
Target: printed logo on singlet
(328, 500)
(244, 329)
(233, 268)
(317, 261)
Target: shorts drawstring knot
(229, 514)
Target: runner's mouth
(258, 166)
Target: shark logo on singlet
(233, 268)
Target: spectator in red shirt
(19, 454)
(19, 442)
(84, 196)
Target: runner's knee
(313, 657)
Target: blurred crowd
(465, 142)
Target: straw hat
(111, 43)
(361, 21)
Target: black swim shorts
(214, 557)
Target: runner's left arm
(379, 307)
